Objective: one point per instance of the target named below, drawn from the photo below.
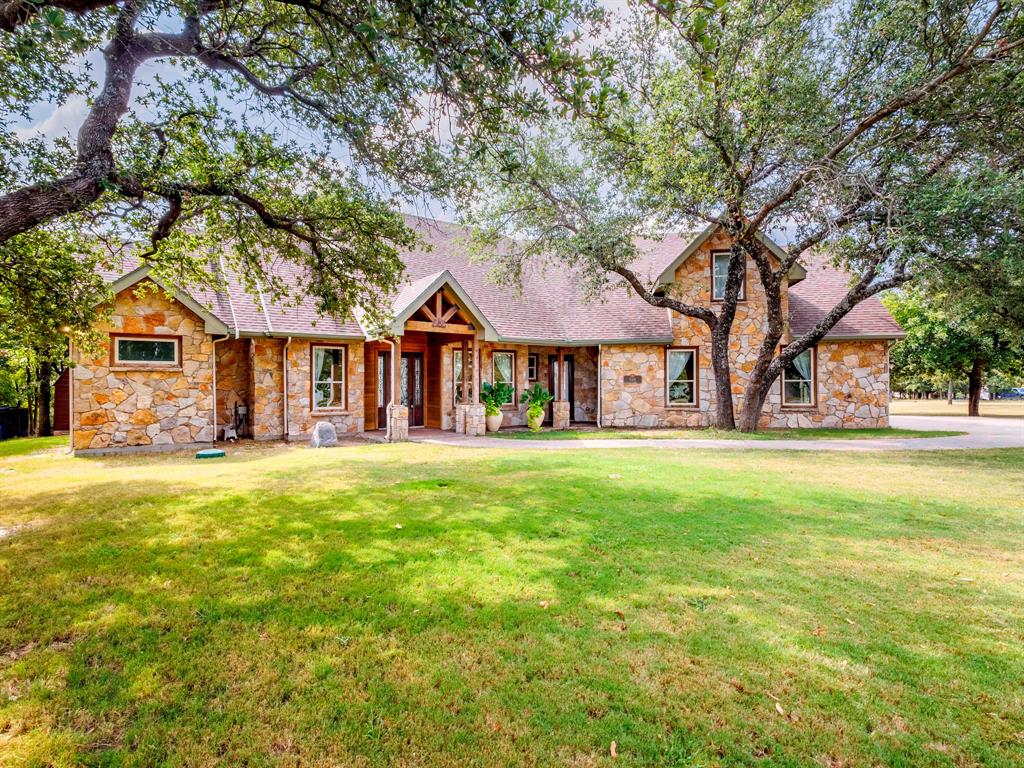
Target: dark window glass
(147, 351)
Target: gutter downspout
(600, 384)
(391, 401)
(213, 440)
(284, 383)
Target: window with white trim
(503, 371)
(798, 380)
(329, 377)
(681, 376)
(531, 367)
(719, 275)
(147, 350)
(457, 376)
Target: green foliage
(233, 146)
(945, 337)
(493, 396)
(536, 399)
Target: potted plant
(536, 399)
(493, 396)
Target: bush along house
(185, 369)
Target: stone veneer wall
(145, 405)
(852, 391)
(266, 409)
(301, 416)
(233, 379)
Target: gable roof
(412, 295)
(547, 308)
(668, 271)
(825, 287)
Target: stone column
(560, 414)
(398, 420)
(469, 419)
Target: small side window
(531, 367)
(145, 350)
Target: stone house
(181, 367)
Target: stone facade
(560, 414)
(233, 380)
(173, 404)
(398, 418)
(145, 404)
(470, 419)
(266, 410)
(302, 417)
(852, 389)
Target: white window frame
(175, 340)
(813, 351)
(494, 379)
(457, 377)
(714, 282)
(314, 381)
(695, 381)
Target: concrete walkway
(981, 433)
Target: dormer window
(719, 275)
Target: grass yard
(816, 433)
(423, 605)
(958, 408)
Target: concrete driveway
(981, 432)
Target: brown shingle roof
(549, 308)
(824, 287)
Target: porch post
(560, 416)
(465, 372)
(476, 368)
(559, 382)
(398, 414)
(469, 414)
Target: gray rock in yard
(324, 435)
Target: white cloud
(63, 120)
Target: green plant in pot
(536, 399)
(493, 396)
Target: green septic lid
(210, 453)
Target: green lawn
(816, 433)
(424, 605)
(1001, 408)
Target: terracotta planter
(494, 422)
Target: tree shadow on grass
(563, 609)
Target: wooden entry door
(411, 386)
(383, 388)
(570, 372)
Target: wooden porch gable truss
(443, 313)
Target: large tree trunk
(44, 424)
(974, 381)
(949, 392)
(724, 416)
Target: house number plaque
(632, 379)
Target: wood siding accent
(432, 384)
